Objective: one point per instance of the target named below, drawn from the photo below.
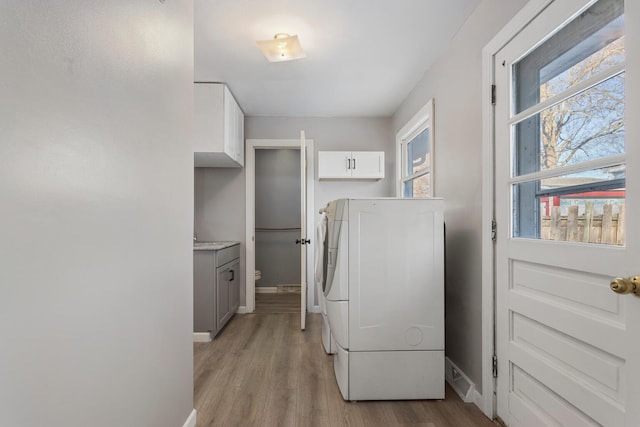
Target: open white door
(567, 202)
(303, 231)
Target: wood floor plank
(261, 370)
(287, 302)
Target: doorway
(258, 234)
(277, 230)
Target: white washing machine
(384, 290)
(320, 273)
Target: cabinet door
(334, 164)
(234, 287)
(222, 297)
(204, 275)
(208, 123)
(367, 164)
(229, 124)
(240, 136)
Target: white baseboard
(243, 310)
(314, 309)
(202, 337)
(461, 383)
(266, 289)
(479, 401)
(191, 421)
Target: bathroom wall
(277, 206)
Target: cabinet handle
(232, 275)
(354, 163)
(348, 163)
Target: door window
(567, 127)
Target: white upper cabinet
(218, 127)
(350, 164)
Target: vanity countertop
(213, 246)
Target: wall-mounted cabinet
(350, 164)
(218, 127)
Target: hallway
(261, 370)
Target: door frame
(250, 204)
(533, 8)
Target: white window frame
(422, 120)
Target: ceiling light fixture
(283, 47)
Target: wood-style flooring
(284, 302)
(261, 370)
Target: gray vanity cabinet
(216, 288)
(228, 292)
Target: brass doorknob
(626, 285)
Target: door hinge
(494, 367)
(494, 230)
(493, 94)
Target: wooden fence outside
(608, 228)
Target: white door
(303, 231)
(567, 192)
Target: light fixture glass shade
(282, 47)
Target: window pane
(418, 153)
(611, 54)
(587, 126)
(418, 187)
(581, 207)
(589, 44)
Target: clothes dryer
(384, 291)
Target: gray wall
(350, 134)
(220, 193)
(454, 82)
(220, 209)
(95, 238)
(277, 206)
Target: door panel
(566, 351)
(367, 164)
(222, 296)
(234, 287)
(303, 231)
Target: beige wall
(454, 82)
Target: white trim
(459, 381)
(250, 255)
(422, 120)
(486, 401)
(266, 289)
(311, 224)
(574, 90)
(478, 400)
(243, 310)
(191, 420)
(569, 169)
(202, 337)
(315, 309)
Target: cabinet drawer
(228, 254)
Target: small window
(414, 153)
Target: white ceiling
(363, 56)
